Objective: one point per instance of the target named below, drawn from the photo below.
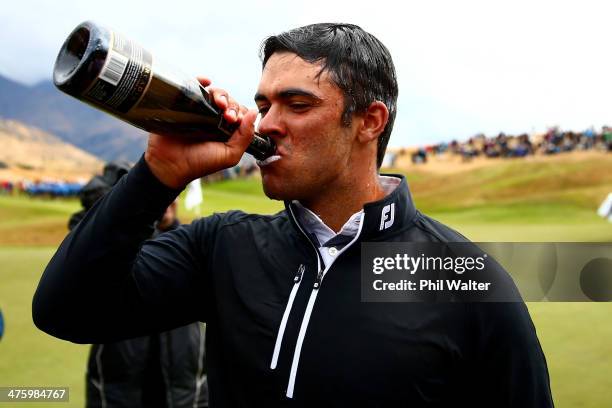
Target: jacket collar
(389, 215)
(381, 218)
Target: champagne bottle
(112, 73)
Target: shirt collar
(313, 225)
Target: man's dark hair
(357, 62)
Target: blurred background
(502, 131)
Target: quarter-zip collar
(389, 215)
(383, 217)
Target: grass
(28, 356)
(513, 201)
(577, 340)
(41, 221)
(246, 195)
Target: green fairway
(26, 221)
(246, 195)
(29, 357)
(514, 201)
(577, 341)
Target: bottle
(114, 74)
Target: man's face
(302, 114)
(168, 218)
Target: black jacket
(250, 276)
(162, 370)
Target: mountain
(25, 148)
(45, 107)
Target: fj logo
(387, 216)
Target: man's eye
(263, 110)
(299, 106)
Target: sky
(464, 67)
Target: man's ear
(373, 122)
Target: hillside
(49, 109)
(577, 179)
(28, 152)
(551, 198)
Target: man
(158, 370)
(281, 294)
(168, 221)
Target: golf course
(536, 199)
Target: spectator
(160, 370)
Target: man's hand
(176, 161)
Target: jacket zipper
(311, 301)
(296, 285)
(281, 330)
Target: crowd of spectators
(40, 188)
(47, 188)
(552, 142)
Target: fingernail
(224, 98)
(233, 114)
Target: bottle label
(124, 78)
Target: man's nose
(271, 123)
